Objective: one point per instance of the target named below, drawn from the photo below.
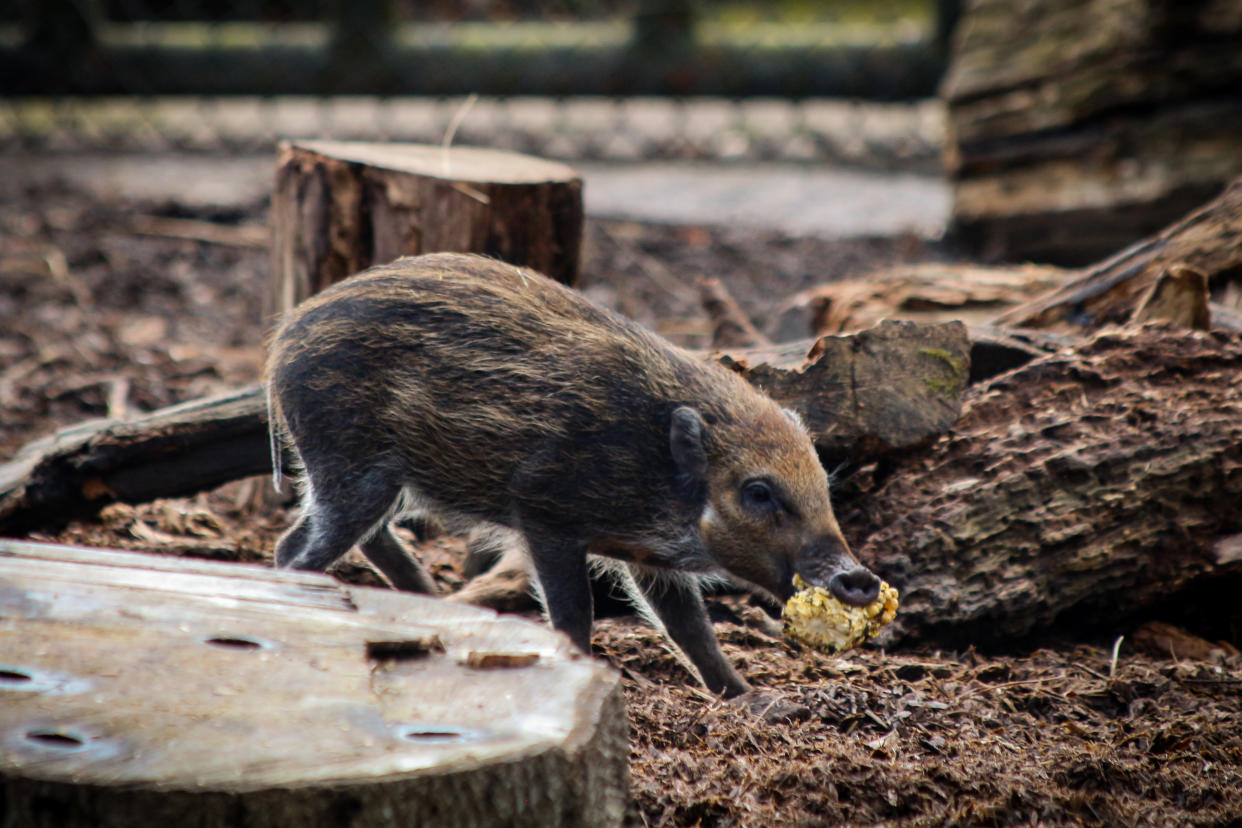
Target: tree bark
(1085, 485)
(340, 207)
(287, 699)
(1077, 127)
(892, 387)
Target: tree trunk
(1078, 127)
(144, 690)
(340, 207)
(1085, 485)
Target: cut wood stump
(1086, 485)
(341, 206)
(141, 690)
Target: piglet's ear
(686, 441)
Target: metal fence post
(662, 42)
(947, 14)
(362, 46)
(61, 36)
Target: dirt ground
(120, 307)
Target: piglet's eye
(758, 496)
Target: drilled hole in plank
(56, 739)
(8, 676)
(435, 736)
(405, 650)
(234, 642)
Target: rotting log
(175, 451)
(145, 690)
(1190, 274)
(1208, 240)
(892, 387)
(929, 292)
(1087, 484)
(342, 206)
(1076, 127)
(204, 443)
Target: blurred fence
(594, 78)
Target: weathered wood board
(141, 690)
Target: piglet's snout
(829, 564)
(856, 587)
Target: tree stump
(142, 690)
(342, 206)
(1078, 127)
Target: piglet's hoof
(772, 707)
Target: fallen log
(1088, 484)
(175, 451)
(933, 293)
(921, 293)
(205, 443)
(1206, 240)
(1189, 274)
